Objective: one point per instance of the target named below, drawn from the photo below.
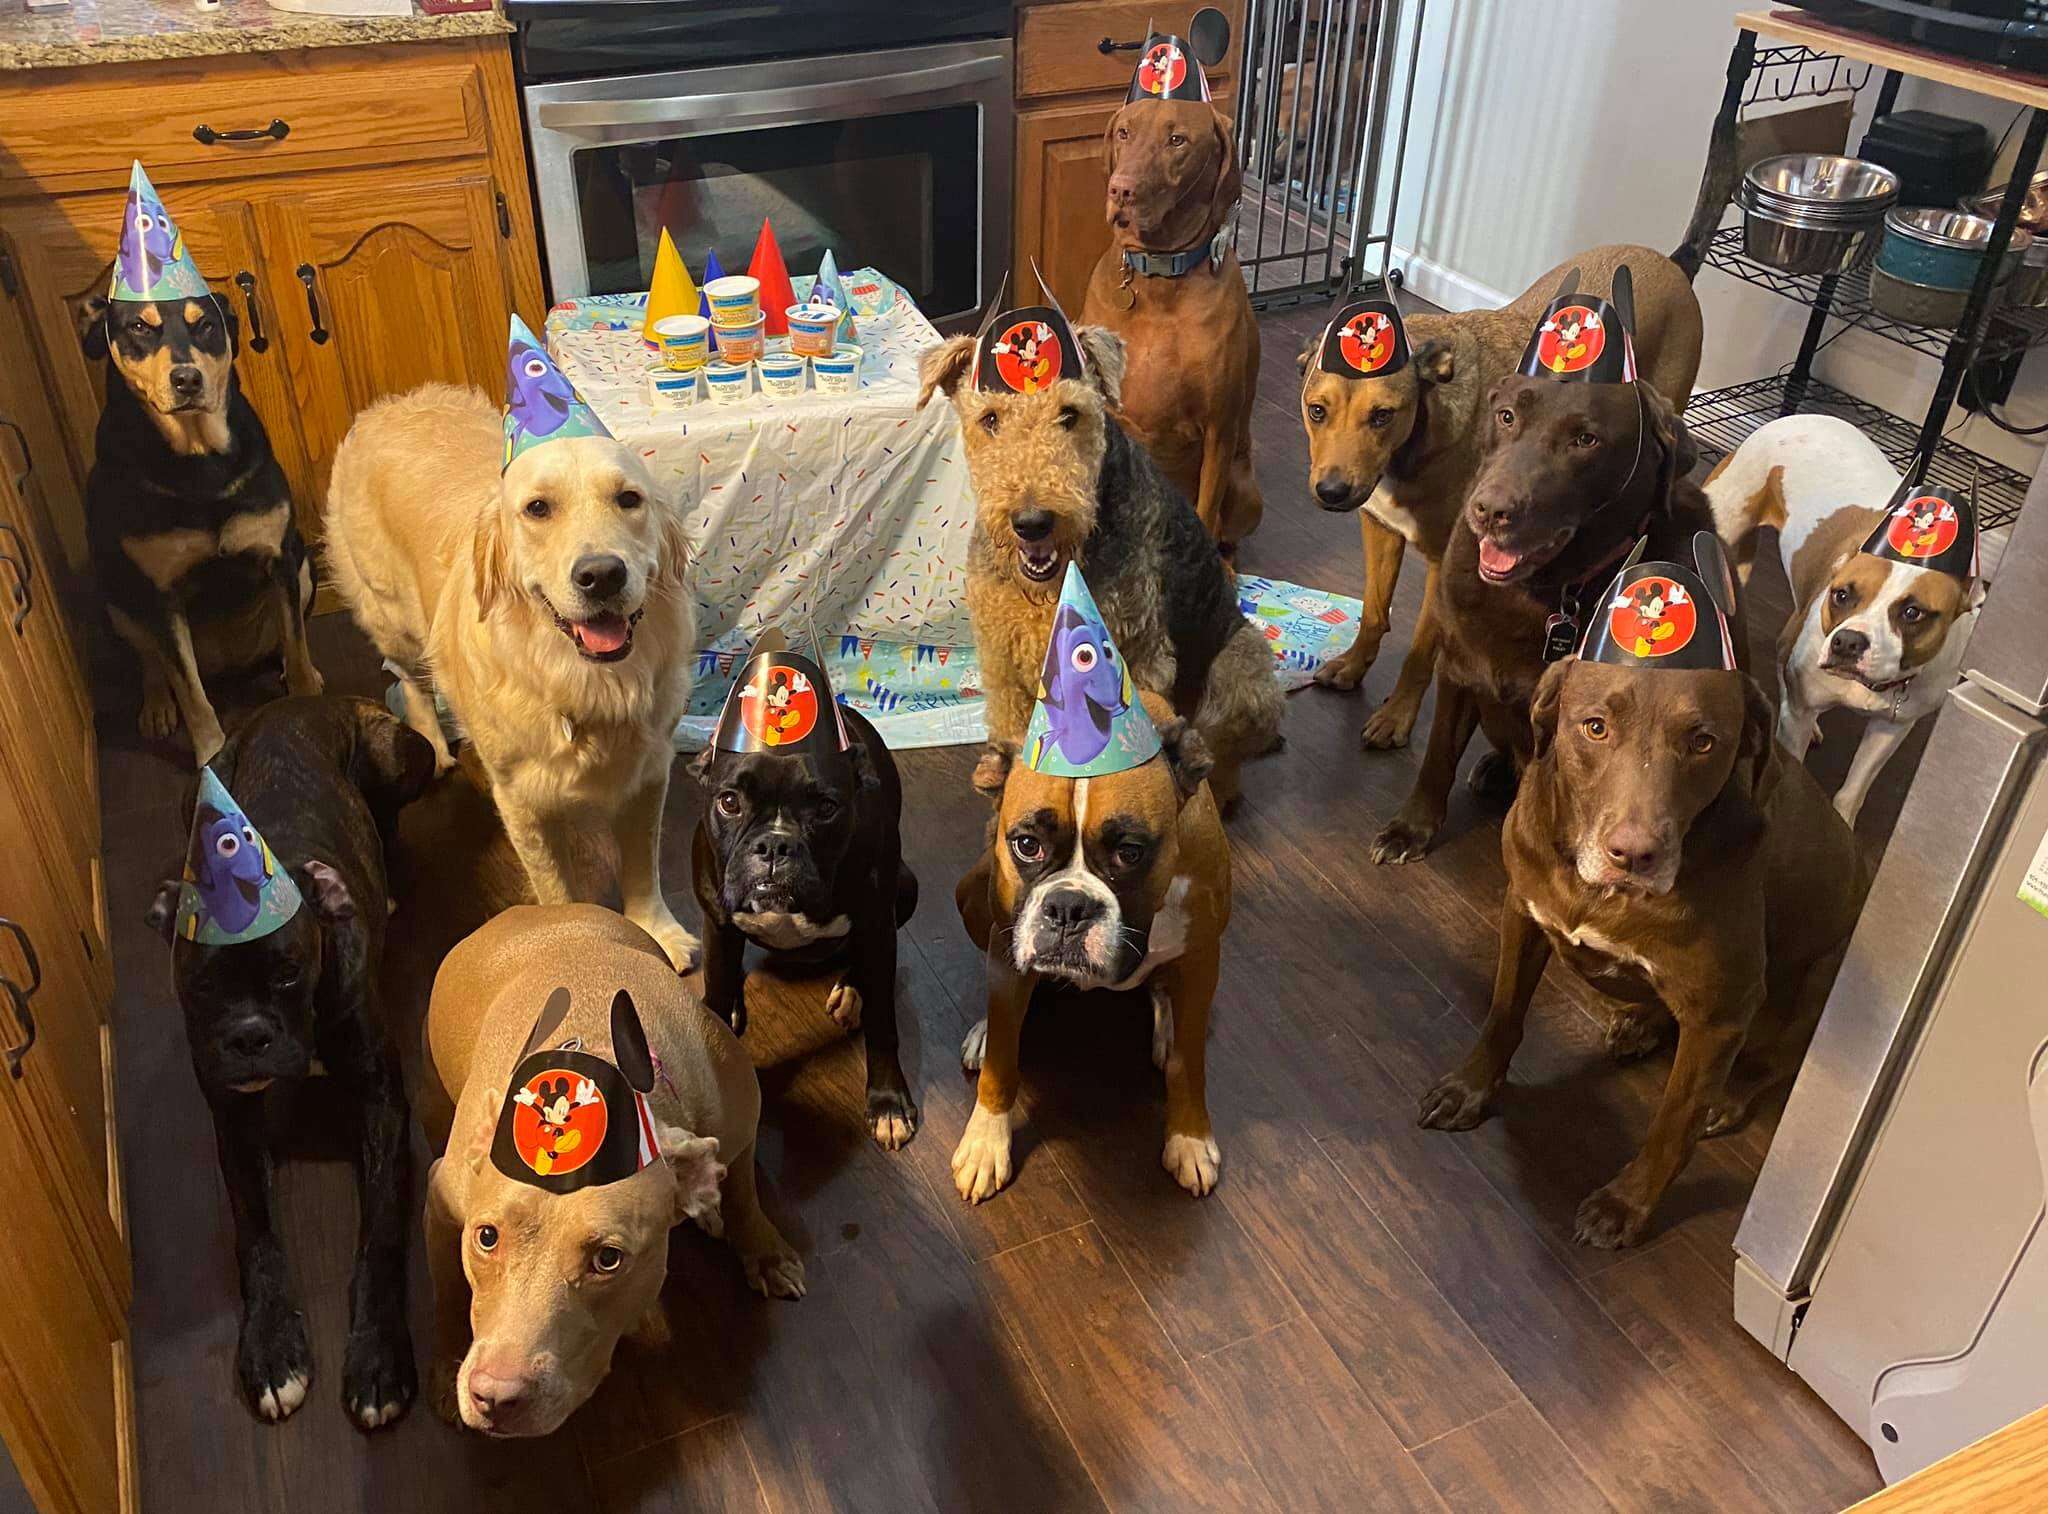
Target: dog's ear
(1229, 175)
(699, 766)
(92, 327)
(943, 367)
(677, 554)
(1187, 755)
(483, 1132)
(163, 909)
(1676, 452)
(1543, 708)
(326, 892)
(1307, 354)
(864, 770)
(230, 320)
(1759, 733)
(1109, 141)
(1104, 351)
(1436, 361)
(490, 570)
(992, 771)
(693, 1159)
(392, 763)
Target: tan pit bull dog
(1109, 881)
(1401, 444)
(548, 1224)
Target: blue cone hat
(234, 889)
(1086, 720)
(152, 263)
(541, 405)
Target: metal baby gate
(1316, 101)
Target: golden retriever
(547, 606)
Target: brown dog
(1402, 448)
(1665, 847)
(1104, 882)
(1191, 346)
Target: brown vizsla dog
(1402, 449)
(1664, 846)
(1191, 346)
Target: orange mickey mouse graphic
(559, 1123)
(1162, 70)
(1367, 341)
(1652, 617)
(780, 706)
(1571, 340)
(1028, 357)
(1924, 526)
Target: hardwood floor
(1364, 1316)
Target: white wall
(1539, 129)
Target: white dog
(547, 605)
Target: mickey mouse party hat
(1667, 615)
(1026, 350)
(233, 889)
(1928, 526)
(1086, 720)
(541, 405)
(152, 263)
(670, 292)
(572, 1119)
(1168, 69)
(780, 702)
(1365, 340)
(1583, 337)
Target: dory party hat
(1928, 526)
(1667, 615)
(152, 263)
(233, 889)
(1584, 337)
(1086, 720)
(572, 1119)
(670, 291)
(1027, 349)
(1365, 340)
(541, 405)
(780, 702)
(830, 289)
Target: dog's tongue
(607, 633)
(1496, 560)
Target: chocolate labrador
(1674, 856)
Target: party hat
(780, 702)
(776, 293)
(1025, 350)
(1583, 337)
(1928, 526)
(713, 270)
(1366, 340)
(572, 1119)
(1168, 69)
(1086, 720)
(152, 263)
(830, 289)
(1667, 615)
(671, 292)
(233, 889)
(541, 405)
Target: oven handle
(812, 99)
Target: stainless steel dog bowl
(1814, 213)
(1944, 249)
(1794, 245)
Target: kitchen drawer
(406, 110)
(1059, 46)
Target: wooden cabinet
(380, 241)
(1068, 91)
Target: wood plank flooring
(1364, 1316)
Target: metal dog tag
(1560, 636)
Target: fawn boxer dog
(1663, 846)
(1106, 868)
(1169, 283)
(1400, 440)
(1883, 599)
(596, 1104)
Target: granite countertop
(130, 31)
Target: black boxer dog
(799, 852)
(321, 780)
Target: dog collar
(1561, 627)
(1173, 265)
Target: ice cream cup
(838, 372)
(668, 389)
(811, 328)
(729, 383)
(735, 300)
(782, 374)
(684, 341)
(743, 344)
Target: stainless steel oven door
(898, 160)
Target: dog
(799, 851)
(188, 517)
(547, 1233)
(1663, 846)
(547, 604)
(1868, 632)
(1400, 444)
(1110, 881)
(1570, 473)
(1058, 481)
(276, 931)
(1170, 286)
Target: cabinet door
(63, 254)
(1062, 185)
(385, 284)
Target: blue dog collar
(1173, 265)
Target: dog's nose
(1491, 514)
(1333, 489)
(187, 381)
(497, 1395)
(1071, 909)
(774, 846)
(1847, 645)
(1122, 187)
(599, 574)
(1632, 848)
(1032, 525)
(249, 1038)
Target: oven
(894, 157)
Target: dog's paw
(159, 718)
(1347, 669)
(973, 1047)
(306, 681)
(1403, 840)
(1494, 779)
(843, 1005)
(1162, 1027)
(682, 949)
(1729, 1113)
(378, 1379)
(892, 1117)
(992, 771)
(1195, 1162)
(1456, 1101)
(1387, 727)
(981, 1162)
(206, 744)
(1609, 1221)
(1636, 1030)
(274, 1361)
(776, 1274)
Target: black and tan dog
(188, 514)
(799, 852)
(276, 932)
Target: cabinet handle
(28, 461)
(246, 282)
(319, 332)
(1106, 46)
(24, 597)
(18, 1053)
(276, 131)
(28, 955)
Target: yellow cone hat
(672, 292)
